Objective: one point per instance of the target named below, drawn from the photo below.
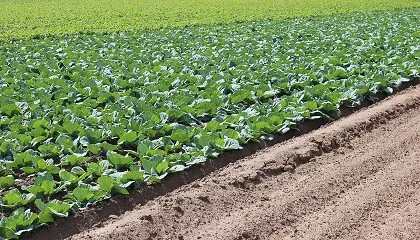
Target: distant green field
(28, 18)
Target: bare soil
(360, 180)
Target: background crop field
(26, 18)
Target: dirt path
(361, 180)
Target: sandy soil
(357, 178)
(360, 180)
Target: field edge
(117, 205)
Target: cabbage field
(87, 116)
(37, 18)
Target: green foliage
(82, 195)
(14, 199)
(119, 161)
(89, 116)
(19, 221)
(51, 210)
(110, 186)
(21, 19)
(6, 182)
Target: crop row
(89, 116)
(35, 18)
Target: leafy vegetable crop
(89, 116)
(35, 18)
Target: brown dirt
(361, 180)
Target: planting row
(37, 18)
(89, 116)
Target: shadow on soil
(117, 205)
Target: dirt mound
(361, 180)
